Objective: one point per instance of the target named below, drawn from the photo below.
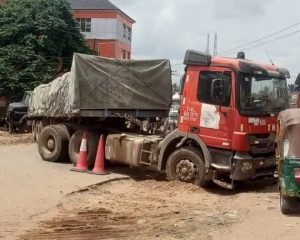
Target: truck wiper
(258, 109)
(264, 111)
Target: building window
(129, 33)
(124, 30)
(123, 52)
(128, 55)
(84, 24)
(205, 83)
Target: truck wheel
(10, 128)
(287, 204)
(65, 131)
(92, 145)
(39, 128)
(53, 144)
(187, 165)
(33, 130)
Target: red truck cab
(228, 113)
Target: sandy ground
(30, 186)
(14, 138)
(41, 200)
(146, 209)
(156, 209)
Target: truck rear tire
(33, 130)
(53, 144)
(39, 128)
(10, 128)
(92, 145)
(187, 165)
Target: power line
(261, 38)
(272, 40)
(176, 64)
(177, 74)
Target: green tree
(292, 88)
(37, 41)
(175, 88)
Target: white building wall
(107, 29)
(102, 29)
(120, 34)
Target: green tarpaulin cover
(97, 83)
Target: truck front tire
(53, 143)
(187, 165)
(92, 144)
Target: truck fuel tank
(131, 149)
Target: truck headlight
(247, 165)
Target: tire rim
(49, 145)
(186, 170)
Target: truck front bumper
(245, 167)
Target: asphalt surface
(31, 186)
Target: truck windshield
(262, 95)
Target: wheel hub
(50, 144)
(186, 170)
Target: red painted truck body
(235, 137)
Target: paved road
(30, 186)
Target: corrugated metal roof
(96, 5)
(93, 5)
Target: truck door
(185, 105)
(212, 105)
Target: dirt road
(30, 186)
(37, 196)
(153, 209)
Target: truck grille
(262, 143)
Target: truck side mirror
(217, 90)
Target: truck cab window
(262, 93)
(205, 87)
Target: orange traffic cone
(82, 164)
(99, 162)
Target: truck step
(227, 185)
(221, 167)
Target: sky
(167, 28)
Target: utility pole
(207, 46)
(216, 45)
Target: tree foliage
(37, 40)
(175, 88)
(292, 88)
